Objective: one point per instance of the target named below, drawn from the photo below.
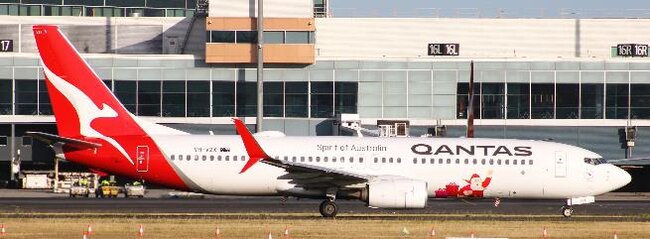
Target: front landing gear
(328, 208)
(567, 211)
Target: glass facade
(185, 87)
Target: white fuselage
(516, 168)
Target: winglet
(255, 152)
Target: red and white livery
(96, 130)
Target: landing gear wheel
(328, 208)
(567, 211)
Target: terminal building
(191, 65)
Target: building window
(273, 99)
(518, 100)
(542, 97)
(568, 98)
(26, 141)
(591, 99)
(26, 97)
(198, 98)
(44, 106)
(223, 98)
(296, 99)
(6, 93)
(492, 100)
(274, 37)
(246, 36)
(299, 37)
(246, 99)
(173, 101)
(617, 101)
(126, 93)
(222, 36)
(462, 99)
(149, 98)
(345, 97)
(3, 140)
(640, 101)
(322, 99)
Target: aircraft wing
(312, 176)
(303, 175)
(52, 139)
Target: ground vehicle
(135, 190)
(108, 191)
(79, 191)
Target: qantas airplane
(95, 130)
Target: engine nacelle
(396, 193)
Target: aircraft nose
(619, 177)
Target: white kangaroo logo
(87, 111)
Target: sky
(490, 8)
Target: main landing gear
(328, 208)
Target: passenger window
(325, 159)
(523, 162)
(351, 159)
(498, 161)
(243, 158)
(172, 157)
(491, 161)
(360, 159)
(376, 160)
(334, 159)
(227, 157)
(317, 159)
(440, 161)
(310, 159)
(466, 161)
(293, 159)
(234, 158)
(415, 160)
(457, 161)
(383, 160)
(399, 160)
(432, 161)
(218, 157)
(302, 158)
(530, 162)
(514, 162)
(211, 157)
(424, 160)
(180, 157)
(286, 158)
(390, 160)
(507, 161)
(196, 157)
(474, 161)
(448, 161)
(204, 157)
(483, 161)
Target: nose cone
(619, 177)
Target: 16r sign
(443, 49)
(6, 45)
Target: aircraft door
(142, 160)
(560, 164)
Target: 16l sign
(444, 49)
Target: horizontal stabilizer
(52, 139)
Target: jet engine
(395, 193)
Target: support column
(260, 65)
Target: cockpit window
(594, 161)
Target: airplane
(96, 130)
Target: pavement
(164, 201)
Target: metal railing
(491, 13)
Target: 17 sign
(6, 45)
(444, 49)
